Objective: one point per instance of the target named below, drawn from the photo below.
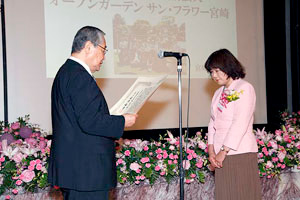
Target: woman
(232, 145)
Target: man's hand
(130, 119)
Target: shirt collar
(82, 63)
(232, 85)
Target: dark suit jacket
(83, 150)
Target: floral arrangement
(23, 157)
(24, 150)
(139, 160)
(280, 151)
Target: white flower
(269, 164)
(135, 166)
(186, 164)
(1, 179)
(278, 138)
(274, 145)
(172, 147)
(123, 169)
(172, 140)
(139, 144)
(8, 150)
(201, 145)
(281, 155)
(29, 151)
(260, 132)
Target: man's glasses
(104, 49)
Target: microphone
(162, 54)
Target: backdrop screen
(40, 34)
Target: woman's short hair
(87, 33)
(226, 62)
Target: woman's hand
(212, 158)
(220, 157)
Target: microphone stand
(181, 171)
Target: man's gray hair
(87, 33)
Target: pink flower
(138, 171)
(279, 165)
(38, 166)
(190, 157)
(269, 144)
(142, 177)
(145, 159)
(159, 156)
(275, 159)
(119, 161)
(38, 161)
(286, 138)
(148, 165)
(124, 178)
(31, 141)
(171, 156)
(170, 162)
(146, 148)
(2, 159)
(158, 151)
(42, 144)
(137, 177)
(127, 153)
(282, 166)
(162, 173)
(157, 168)
(265, 151)
(260, 142)
(7, 197)
(15, 191)
(189, 151)
(27, 175)
(278, 132)
(18, 157)
(193, 175)
(199, 164)
(175, 161)
(137, 182)
(31, 167)
(187, 180)
(134, 166)
(33, 163)
(19, 182)
(165, 155)
(15, 125)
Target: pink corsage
(228, 96)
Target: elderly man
(82, 161)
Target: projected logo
(136, 46)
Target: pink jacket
(231, 124)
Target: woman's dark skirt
(238, 179)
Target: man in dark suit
(82, 160)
